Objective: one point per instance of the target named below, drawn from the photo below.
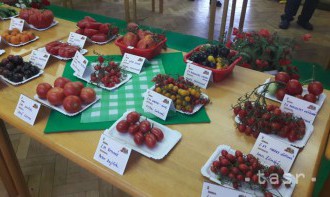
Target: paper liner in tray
(298, 143)
(2, 51)
(90, 69)
(8, 18)
(21, 44)
(43, 29)
(281, 191)
(61, 108)
(21, 82)
(105, 42)
(319, 102)
(162, 148)
(43, 49)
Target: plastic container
(218, 74)
(147, 53)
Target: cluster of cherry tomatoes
(67, 93)
(270, 120)
(242, 169)
(293, 87)
(108, 74)
(143, 131)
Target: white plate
(90, 69)
(8, 18)
(2, 51)
(162, 148)
(298, 143)
(21, 82)
(101, 43)
(319, 102)
(206, 171)
(61, 108)
(43, 29)
(43, 49)
(21, 44)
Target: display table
(178, 174)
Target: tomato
(158, 133)
(60, 82)
(133, 129)
(150, 140)
(238, 153)
(93, 25)
(41, 19)
(243, 167)
(280, 93)
(71, 89)
(138, 138)
(87, 95)
(55, 96)
(294, 87)
(145, 126)
(99, 37)
(299, 96)
(78, 85)
(90, 32)
(72, 104)
(122, 126)
(224, 171)
(310, 98)
(315, 88)
(272, 88)
(282, 77)
(42, 90)
(89, 19)
(104, 28)
(267, 194)
(133, 117)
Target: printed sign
(212, 190)
(27, 109)
(197, 75)
(157, 104)
(39, 59)
(79, 64)
(77, 40)
(132, 63)
(16, 23)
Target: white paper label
(16, 23)
(212, 190)
(27, 109)
(132, 63)
(197, 75)
(39, 58)
(112, 154)
(300, 108)
(157, 104)
(77, 39)
(271, 151)
(79, 64)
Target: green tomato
(272, 88)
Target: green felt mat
(173, 64)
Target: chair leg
(161, 2)
(153, 5)
(127, 15)
(212, 19)
(242, 18)
(134, 11)
(223, 20)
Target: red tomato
(145, 126)
(87, 95)
(55, 96)
(71, 89)
(294, 87)
(158, 133)
(133, 117)
(72, 104)
(138, 138)
(99, 37)
(280, 93)
(310, 98)
(42, 90)
(300, 96)
(282, 77)
(60, 82)
(133, 129)
(315, 88)
(90, 32)
(150, 140)
(122, 126)
(41, 19)
(78, 85)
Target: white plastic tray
(90, 69)
(43, 29)
(43, 49)
(2, 51)
(298, 143)
(101, 43)
(281, 191)
(319, 102)
(162, 148)
(21, 44)
(8, 18)
(61, 108)
(24, 80)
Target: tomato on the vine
(315, 88)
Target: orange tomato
(15, 40)
(25, 38)
(15, 30)
(31, 35)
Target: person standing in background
(290, 10)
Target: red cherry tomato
(138, 138)
(72, 104)
(315, 88)
(133, 117)
(310, 98)
(145, 126)
(282, 77)
(42, 90)
(158, 133)
(280, 93)
(87, 95)
(122, 126)
(150, 140)
(293, 87)
(133, 129)
(55, 96)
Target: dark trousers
(292, 6)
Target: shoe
(219, 4)
(306, 25)
(283, 17)
(284, 24)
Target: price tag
(16, 23)
(197, 75)
(271, 151)
(79, 64)
(132, 63)
(112, 154)
(77, 40)
(299, 107)
(39, 58)
(212, 190)
(27, 109)
(157, 104)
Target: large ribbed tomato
(41, 19)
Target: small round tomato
(133, 117)
(280, 93)
(87, 95)
(60, 82)
(138, 138)
(55, 96)
(122, 126)
(145, 126)
(282, 77)
(150, 140)
(294, 87)
(158, 133)
(133, 129)
(71, 89)
(315, 88)
(72, 104)
(42, 90)
(310, 98)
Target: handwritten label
(157, 104)
(39, 59)
(271, 151)
(79, 64)
(300, 108)
(77, 40)
(132, 63)
(27, 109)
(112, 154)
(197, 75)
(16, 23)
(212, 190)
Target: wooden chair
(67, 3)
(153, 7)
(224, 18)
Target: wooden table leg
(153, 5)
(161, 6)
(6, 178)
(126, 6)
(134, 11)
(212, 20)
(11, 161)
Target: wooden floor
(49, 174)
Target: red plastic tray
(218, 74)
(147, 53)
